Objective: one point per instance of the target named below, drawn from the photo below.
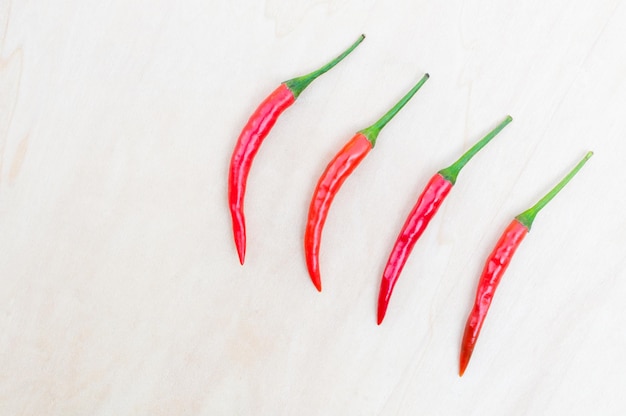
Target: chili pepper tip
(464, 361)
(241, 251)
(380, 317)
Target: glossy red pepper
(339, 168)
(424, 210)
(253, 134)
(497, 263)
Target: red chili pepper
(497, 263)
(339, 168)
(253, 134)
(424, 210)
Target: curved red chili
(253, 134)
(497, 263)
(424, 210)
(333, 177)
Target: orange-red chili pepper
(497, 263)
(253, 134)
(424, 210)
(333, 177)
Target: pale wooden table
(121, 293)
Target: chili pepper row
(343, 164)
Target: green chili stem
(372, 131)
(451, 172)
(527, 217)
(297, 85)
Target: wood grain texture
(121, 289)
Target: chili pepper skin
(329, 183)
(254, 132)
(497, 263)
(257, 128)
(424, 210)
(339, 168)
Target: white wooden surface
(121, 293)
